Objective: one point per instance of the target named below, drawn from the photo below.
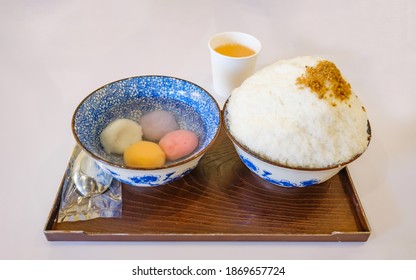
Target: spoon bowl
(89, 178)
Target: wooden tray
(221, 200)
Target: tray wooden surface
(221, 200)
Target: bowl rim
(258, 157)
(165, 166)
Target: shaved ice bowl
(194, 108)
(279, 174)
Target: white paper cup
(229, 72)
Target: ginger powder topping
(326, 81)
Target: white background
(54, 53)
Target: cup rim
(168, 166)
(256, 51)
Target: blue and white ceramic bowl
(278, 174)
(193, 107)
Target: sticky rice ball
(300, 113)
(120, 134)
(144, 154)
(157, 123)
(178, 144)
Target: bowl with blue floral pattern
(279, 174)
(193, 108)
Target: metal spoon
(89, 178)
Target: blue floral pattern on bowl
(149, 180)
(268, 176)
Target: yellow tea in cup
(234, 50)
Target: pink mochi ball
(156, 124)
(178, 144)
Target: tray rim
(335, 236)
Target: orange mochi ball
(144, 154)
(178, 144)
